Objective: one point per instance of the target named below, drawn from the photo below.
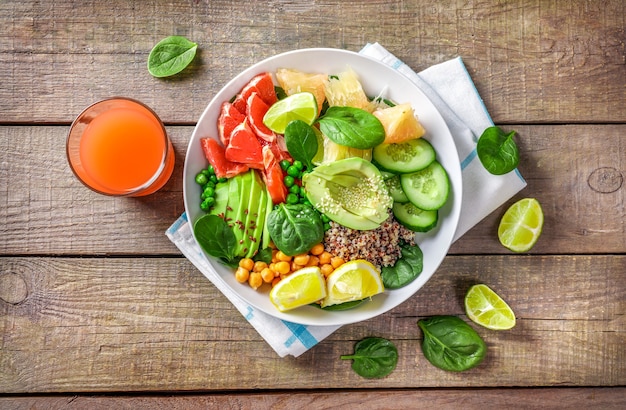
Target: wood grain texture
(552, 398)
(568, 168)
(154, 324)
(532, 60)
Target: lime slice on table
(521, 225)
(354, 280)
(299, 106)
(302, 287)
(484, 307)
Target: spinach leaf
(264, 255)
(497, 151)
(216, 238)
(405, 270)
(451, 344)
(374, 357)
(352, 127)
(295, 228)
(170, 56)
(301, 142)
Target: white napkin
(450, 88)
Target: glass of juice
(119, 147)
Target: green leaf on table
(171, 55)
(497, 151)
(374, 357)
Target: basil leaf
(295, 228)
(451, 344)
(170, 56)
(374, 357)
(216, 237)
(352, 127)
(301, 142)
(497, 151)
(405, 270)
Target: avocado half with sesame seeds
(351, 192)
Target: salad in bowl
(323, 186)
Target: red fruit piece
(244, 147)
(273, 177)
(255, 112)
(228, 119)
(215, 154)
(261, 84)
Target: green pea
(201, 179)
(209, 192)
(289, 181)
(209, 184)
(327, 226)
(292, 198)
(222, 179)
(204, 206)
(210, 201)
(298, 164)
(325, 218)
(213, 179)
(294, 189)
(206, 172)
(293, 171)
(210, 169)
(284, 164)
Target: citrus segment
(295, 81)
(521, 225)
(400, 123)
(229, 118)
(354, 280)
(302, 287)
(261, 84)
(345, 90)
(256, 110)
(300, 106)
(484, 307)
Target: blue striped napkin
(450, 88)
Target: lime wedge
(299, 106)
(484, 307)
(521, 225)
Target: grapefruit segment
(261, 84)
(215, 154)
(244, 147)
(228, 119)
(273, 177)
(256, 109)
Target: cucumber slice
(395, 189)
(428, 188)
(414, 218)
(409, 156)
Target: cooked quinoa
(380, 246)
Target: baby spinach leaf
(295, 228)
(216, 238)
(170, 56)
(301, 142)
(352, 127)
(405, 270)
(374, 357)
(451, 344)
(497, 151)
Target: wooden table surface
(98, 309)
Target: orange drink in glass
(119, 147)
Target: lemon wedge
(302, 287)
(354, 280)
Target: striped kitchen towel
(450, 88)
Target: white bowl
(375, 77)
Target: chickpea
(313, 261)
(336, 261)
(242, 275)
(267, 275)
(317, 249)
(282, 267)
(259, 266)
(301, 259)
(325, 257)
(275, 281)
(282, 257)
(327, 269)
(246, 263)
(255, 280)
(295, 267)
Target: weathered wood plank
(120, 324)
(533, 61)
(552, 398)
(576, 172)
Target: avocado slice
(238, 198)
(265, 241)
(350, 192)
(254, 216)
(221, 199)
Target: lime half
(484, 307)
(521, 225)
(299, 106)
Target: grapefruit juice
(120, 147)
